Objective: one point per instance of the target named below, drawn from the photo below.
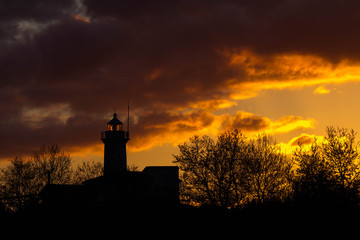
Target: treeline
(235, 172)
(23, 179)
(229, 172)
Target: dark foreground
(260, 221)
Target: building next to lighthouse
(118, 186)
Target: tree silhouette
(51, 165)
(86, 171)
(229, 154)
(340, 151)
(329, 170)
(313, 179)
(24, 178)
(210, 170)
(17, 180)
(268, 171)
(231, 171)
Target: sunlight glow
(287, 71)
(321, 90)
(290, 123)
(201, 123)
(81, 18)
(211, 105)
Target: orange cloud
(212, 105)
(281, 71)
(303, 139)
(290, 123)
(321, 90)
(247, 122)
(92, 152)
(156, 129)
(81, 18)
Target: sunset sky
(284, 67)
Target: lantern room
(115, 124)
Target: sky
(288, 68)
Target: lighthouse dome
(115, 124)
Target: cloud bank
(66, 64)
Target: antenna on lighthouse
(128, 120)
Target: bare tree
(313, 173)
(51, 165)
(17, 181)
(340, 151)
(211, 170)
(194, 160)
(231, 171)
(88, 170)
(229, 153)
(268, 171)
(329, 170)
(24, 178)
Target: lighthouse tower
(115, 139)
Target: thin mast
(128, 120)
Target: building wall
(164, 183)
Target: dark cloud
(302, 140)
(40, 10)
(21, 138)
(246, 122)
(155, 128)
(328, 29)
(162, 55)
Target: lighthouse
(115, 139)
(118, 187)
